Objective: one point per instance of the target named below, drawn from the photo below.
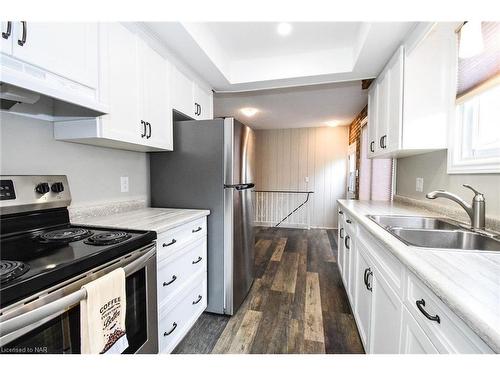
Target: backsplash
(28, 147)
(432, 168)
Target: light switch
(124, 184)
(419, 184)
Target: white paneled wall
(287, 158)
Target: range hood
(21, 101)
(12, 95)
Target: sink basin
(413, 222)
(446, 239)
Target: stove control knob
(42, 188)
(57, 187)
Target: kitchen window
(475, 135)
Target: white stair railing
(291, 209)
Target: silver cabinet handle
(22, 41)
(171, 281)
(347, 242)
(196, 230)
(170, 243)
(197, 260)
(341, 232)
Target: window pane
(486, 135)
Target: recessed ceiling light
(333, 123)
(249, 112)
(284, 28)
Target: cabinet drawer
(450, 334)
(175, 272)
(349, 223)
(391, 268)
(175, 239)
(176, 319)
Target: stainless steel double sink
(437, 233)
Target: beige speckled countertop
(148, 218)
(468, 282)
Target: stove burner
(10, 269)
(65, 235)
(108, 238)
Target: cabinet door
(346, 264)
(383, 112)
(120, 83)
(395, 102)
(340, 241)
(7, 35)
(372, 119)
(413, 338)
(363, 298)
(204, 98)
(386, 315)
(182, 93)
(155, 103)
(66, 49)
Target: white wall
(286, 157)
(432, 168)
(28, 147)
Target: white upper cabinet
(6, 39)
(412, 99)
(182, 91)
(190, 98)
(156, 109)
(135, 86)
(120, 83)
(59, 60)
(203, 101)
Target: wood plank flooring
(297, 303)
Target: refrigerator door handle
(241, 186)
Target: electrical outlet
(419, 184)
(124, 184)
(306, 179)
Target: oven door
(59, 332)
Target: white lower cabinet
(413, 338)
(394, 311)
(363, 298)
(178, 318)
(386, 315)
(182, 281)
(340, 243)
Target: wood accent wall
(355, 137)
(285, 157)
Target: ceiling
(243, 56)
(295, 107)
(248, 40)
(303, 79)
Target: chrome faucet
(476, 210)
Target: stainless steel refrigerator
(211, 167)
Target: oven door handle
(51, 309)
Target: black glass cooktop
(35, 260)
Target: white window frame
(457, 164)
